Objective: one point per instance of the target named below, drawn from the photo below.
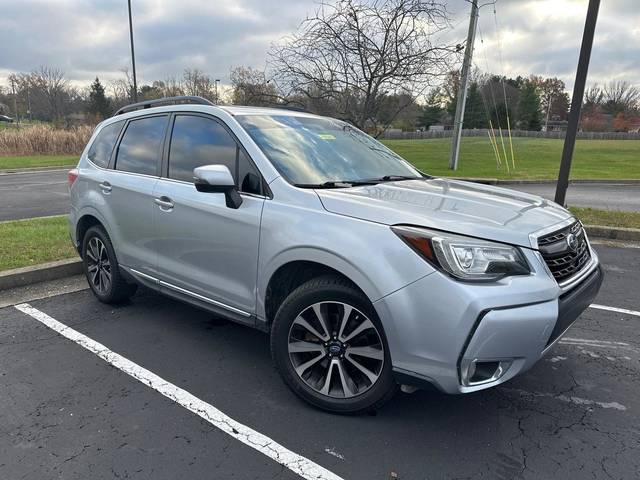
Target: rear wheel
(329, 346)
(101, 268)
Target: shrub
(44, 140)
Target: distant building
(555, 126)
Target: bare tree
(250, 86)
(593, 94)
(620, 97)
(122, 89)
(170, 87)
(355, 53)
(51, 82)
(196, 82)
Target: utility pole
(215, 83)
(546, 120)
(29, 104)
(462, 92)
(15, 100)
(576, 101)
(133, 56)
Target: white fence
(482, 132)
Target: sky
(89, 38)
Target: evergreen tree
(474, 114)
(99, 104)
(432, 112)
(529, 114)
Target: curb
(11, 171)
(496, 181)
(19, 277)
(613, 233)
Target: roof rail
(292, 108)
(163, 101)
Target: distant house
(555, 126)
(437, 128)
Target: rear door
(128, 191)
(207, 250)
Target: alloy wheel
(98, 265)
(336, 349)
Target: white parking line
(615, 309)
(256, 440)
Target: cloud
(86, 38)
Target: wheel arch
(86, 220)
(294, 267)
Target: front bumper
(440, 331)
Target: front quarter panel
(296, 227)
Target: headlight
(465, 258)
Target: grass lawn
(612, 218)
(39, 161)
(535, 158)
(33, 241)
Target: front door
(206, 249)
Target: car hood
(455, 206)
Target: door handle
(106, 187)
(164, 203)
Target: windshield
(312, 151)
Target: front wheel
(329, 346)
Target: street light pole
(133, 56)
(462, 92)
(576, 101)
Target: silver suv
(367, 273)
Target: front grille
(562, 260)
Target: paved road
(610, 196)
(28, 195)
(65, 413)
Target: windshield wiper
(391, 178)
(336, 184)
(357, 183)
(331, 184)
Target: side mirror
(217, 179)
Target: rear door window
(141, 146)
(102, 146)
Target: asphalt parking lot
(34, 194)
(67, 413)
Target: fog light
(478, 372)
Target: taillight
(72, 176)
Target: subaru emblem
(572, 242)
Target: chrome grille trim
(564, 263)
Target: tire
(345, 389)
(101, 268)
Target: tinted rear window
(141, 145)
(100, 150)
